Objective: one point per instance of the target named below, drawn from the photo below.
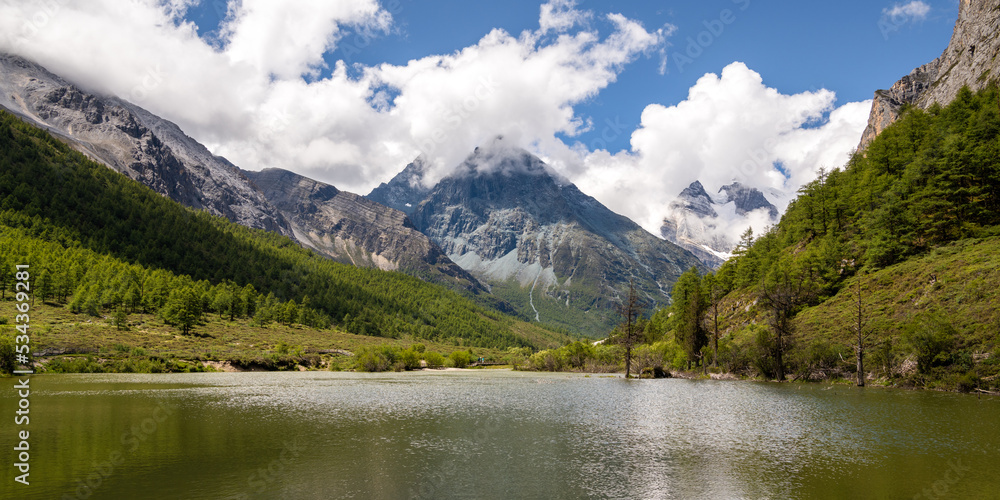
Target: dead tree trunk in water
(861, 336)
(630, 310)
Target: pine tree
(860, 331)
(249, 299)
(223, 301)
(6, 275)
(783, 292)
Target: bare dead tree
(630, 310)
(862, 334)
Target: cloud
(521, 88)
(730, 128)
(255, 95)
(243, 93)
(288, 39)
(561, 15)
(915, 10)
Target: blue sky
(630, 100)
(850, 47)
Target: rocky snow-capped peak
(557, 254)
(694, 221)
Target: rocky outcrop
(354, 230)
(696, 200)
(971, 59)
(747, 199)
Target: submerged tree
(862, 334)
(630, 310)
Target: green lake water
(493, 434)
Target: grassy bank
(62, 341)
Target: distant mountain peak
(696, 200)
(500, 156)
(695, 190)
(693, 220)
(560, 255)
(404, 191)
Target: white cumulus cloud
(730, 128)
(256, 93)
(288, 39)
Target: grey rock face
(404, 191)
(970, 59)
(506, 219)
(696, 200)
(748, 199)
(351, 229)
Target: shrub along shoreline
(657, 360)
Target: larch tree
(783, 292)
(689, 307)
(715, 293)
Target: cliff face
(405, 190)
(970, 59)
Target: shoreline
(227, 366)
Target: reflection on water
(495, 434)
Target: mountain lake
(496, 434)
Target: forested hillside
(930, 179)
(103, 244)
(895, 254)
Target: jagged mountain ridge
(404, 191)
(971, 59)
(748, 199)
(352, 229)
(693, 220)
(134, 142)
(507, 219)
(157, 153)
